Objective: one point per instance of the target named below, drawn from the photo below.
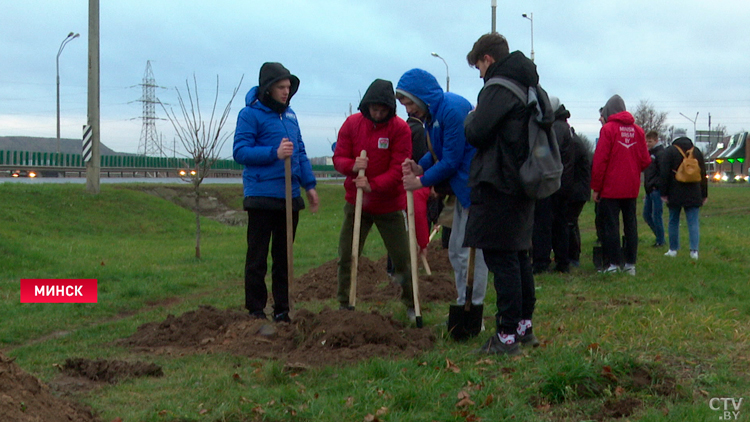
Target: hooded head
(380, 92)
(422, 89)
(679, 133)
(614, 105)
(554, 102)
(270, 73)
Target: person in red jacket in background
(621, 155)
(387, 140)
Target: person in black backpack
(678, 195)
(502, 215)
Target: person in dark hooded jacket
(502, 216)
(652, 205)
(267, 133)
(621, 155)
(678, 195)
(550, 224)
(387, 140)
(580, 194)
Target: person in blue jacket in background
(267, 133)
(444, 114)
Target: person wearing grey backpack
(502, 214)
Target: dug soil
(23, 398)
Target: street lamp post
(692, 120)
(530, 17)
(67, 39)
(494, 12)
(447, 74)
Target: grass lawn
(655, 347)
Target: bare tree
(649, 119)
(201, 139)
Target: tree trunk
(197, 224)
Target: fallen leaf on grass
(450, 366)
(488, 400)
(619, 391)
(349, 401)
(371, 418)
(465, 403)
(607, 373)
(382, 411)
(593, 346)
(203, 411)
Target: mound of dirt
(109, 371)
(330, 337)
(373, 283)
(23, 398)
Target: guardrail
(62, 164)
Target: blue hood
(251, 96)
(424, 86)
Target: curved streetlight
(692, 120)
(530, 17)
(447, 74)
(67, 39)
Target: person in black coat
(550, 226)
(580, 194)
(502, 216)
(652, 206)
(678, 195)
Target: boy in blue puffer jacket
(267, 133)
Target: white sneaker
(670, 253)
(629, 269)
(611, 269)
(694, 254)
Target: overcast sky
(683, 56)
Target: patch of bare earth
(330, 337)
(23, 398)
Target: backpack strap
(510, 85)
(681, 151)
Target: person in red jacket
(621, 155)
(387, 140)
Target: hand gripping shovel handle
(355, 240)
(289, 225)
(413, 255)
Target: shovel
(465, 321)
(355, 240)
(413, 255)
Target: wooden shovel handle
(355, 239)
(413, 247)
(470, 279)
(289, 225)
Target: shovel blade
(463, 324)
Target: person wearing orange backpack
(689, 196)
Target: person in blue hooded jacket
(267, 133)
(448, 160)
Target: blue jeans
(691, 215)
(652, 213)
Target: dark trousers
(609, 212)
(266, 227)
(550, 233)
(574, 232)
(514, 285)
